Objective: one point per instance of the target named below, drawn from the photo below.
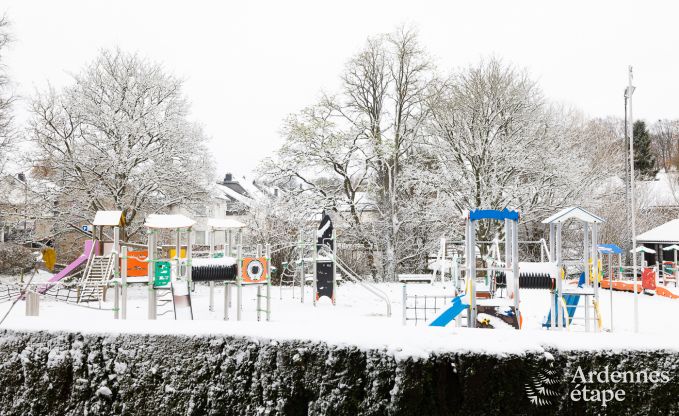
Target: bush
(15, 259)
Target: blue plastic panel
(493, 214)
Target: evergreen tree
(644, 160)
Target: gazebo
(660, 239)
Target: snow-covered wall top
(401, 342)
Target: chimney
(228, 178)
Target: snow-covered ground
(359, 318)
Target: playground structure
(481, 283)
(167, 270)
(478, 296)
(566, 300)
(319, 252)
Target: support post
(472, 272)
(267, 251)
(123, 284)
(239, 281)
(189, 258)
(227, 287)
(259, 302)
(115, 252)
(515, 266)
(404, 301)
(211, 240)
(595, 270)
(314, 257)
(151, 273)
(334, 266)
(559, 280)
(302, 272)
(116, 300)
(630, 126)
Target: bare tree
(665, 142)
(7, 133)
(350, 150)
(118, 138)
(498, 144)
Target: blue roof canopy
(609, 249)
(493, 214)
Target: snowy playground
(228, 290)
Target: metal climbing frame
(590, 224)
(511, 221)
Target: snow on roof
(573, 212)
(665, 233)
(168, 221)
(663, 191)
(642, 249)
(673, 247)
(111, 218)
(224, 223)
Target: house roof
(667, 233)
(573, 213)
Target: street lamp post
(629, 93)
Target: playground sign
(162, 273)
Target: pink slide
(89, 244)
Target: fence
(421, 308)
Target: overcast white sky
(249, 64)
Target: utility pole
(628, 225)
(630, 91)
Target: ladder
(164, 300)
(97, 274)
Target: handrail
(90, 256)
(543, 243)
(354, 277)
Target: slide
(571, 301)
(181, 299)
(451, 313)
(68, 270)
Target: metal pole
(123, 287)
(595, 269)
(559, 280)
(259, 302)
(586, 259)
(404, 299)
(472, 272)
(116, 252)
(151, 273)
(334, 267)
(116, 300)
(515, 266)
(239, 285)
(189, 258)
(227, 288)
(507, 248)
(552, 254)
(211, 240)
(314, 257)
(610, 286)
(630, 91)
(267, 250)
(676, 273)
